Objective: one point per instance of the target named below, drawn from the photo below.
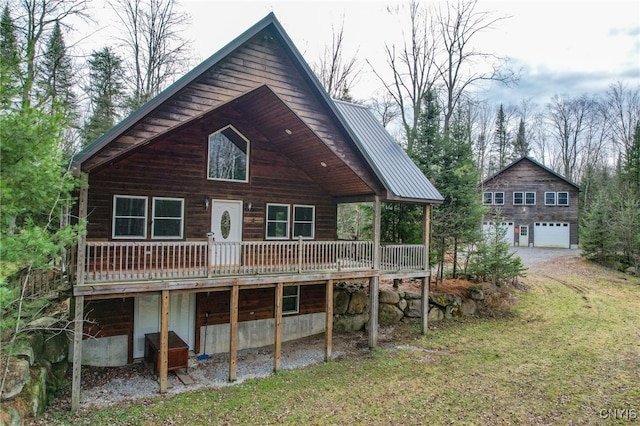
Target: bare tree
(153, 36)
(336, 72)
(412, 67)
(483, 117)
(569, 119)
(462, 66)
(386, 108)
(624, 106)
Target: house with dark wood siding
(538, 205)
(211, 213)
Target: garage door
(551, 234)
(487, 226)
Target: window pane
(302, 230)
(303, 214)
(167, 227)
(291, 290)
(227, 156)
(126, 206)
(487, 198)
(499, 198)
(278, 213)
(277, 230)
(168, 208)
(129, 227)
(289, 304)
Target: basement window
(291, 299)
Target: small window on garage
(530, 198)
(487, 198)
(549, 198)
(518, 198)
(562, 199)
(498, 198)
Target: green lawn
(569, 353)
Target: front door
(523, 241)
(226, 226)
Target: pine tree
(500, 142)
(632, 162)
(521, 145)
(106, 93)
(9, 61)
(57, 81)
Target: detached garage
(552, 234)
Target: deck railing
(121, 261)
(402, 257)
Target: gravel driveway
(534, 256)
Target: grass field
(568, 353)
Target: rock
(477, 294)
(43, 323)
(438, 299)
(402, 304)
(17, 378)
(350, 323)
(414, 308)
(56, 348)
(468, 308)
(388, 296)
(389, 315)
(435, 314)
(411, 295)
(25, 352)
(358, 304)
(631, 270)
(341, 299)
(10, 416)
(35, 393)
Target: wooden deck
(131, 267)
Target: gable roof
(531, 160)
(402, 180)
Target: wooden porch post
(374, 281)
(79, 308)
(164, 341)
(426, 281)
(278, 328)
(233, 333)
(328, 334)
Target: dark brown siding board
(312, 299)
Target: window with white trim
(228, 155)
(530, 198)
(498, 198)
(518, 198)
(291, 299)
(168, 218)
(549, 198)
(487, 198)
(562, 199)
(129, 217)
(303, 221)
(277, 222)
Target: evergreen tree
(106, 93)
(9, 61)
(493, 260)
(521, 145)
(57, 81)
(598, 239)
(500, 142)
(632, 163)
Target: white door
(226, 226)
(523, 240)
(146, 319)
(551, 234)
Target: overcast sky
(558, 47)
